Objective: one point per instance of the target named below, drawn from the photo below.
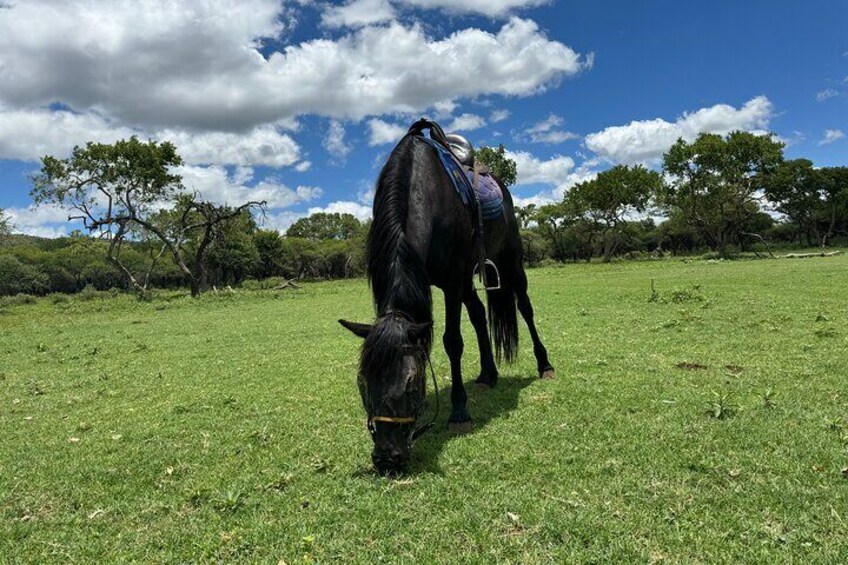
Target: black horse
(421, 235)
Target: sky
(299, 102)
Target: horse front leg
(477, 314)
(460, 419)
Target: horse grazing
(421, 235)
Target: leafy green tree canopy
(608, 199)
(501, 166)
(617, 192)
(323, 225)
(717, 182)
(110, 184)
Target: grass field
(704, 422)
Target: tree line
(323, 246)
(714, 193)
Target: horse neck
(396, 269)
(408, 288)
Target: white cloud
(42, 221)
(264, 145)
(280, 221)
(382, 132)
(444, 109)
(361, 212)
(216, 185)
(485, 7)
(181, 65)
(334, 141)
(28, 135)
(832, 135)
(548, 131)
(366, 191)
(646, 141)
(499, 116)
(466, 122)
(358, 13)
(531, 170)
(826, 94)
(558, 173)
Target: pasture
(703, 421)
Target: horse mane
(396, 272)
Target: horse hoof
(460, 427)
(547, 374)
(486, 381)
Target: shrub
(89, 293)
(58, 298)
(17, 277)
(17, 300)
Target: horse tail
(503, 319)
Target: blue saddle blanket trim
(488, 190)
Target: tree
(717, 182)
(499, 164)
(796, 191)
(112, 188)
(815, 199)
(193, 229)
(5, 224)
(834, 213)
(611, 197)
(269, 246)
(324, 225)
(525, 215)
(233, 254)
(118, 190)
(564, 231)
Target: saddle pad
(490, 195)
(488, 191)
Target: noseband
(417, 432)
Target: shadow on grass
(484, 405)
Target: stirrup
(484, 280)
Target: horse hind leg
(488, 377)
(543, 365)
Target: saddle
(479, 191)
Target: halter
(416, 433)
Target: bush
(89, 293)
(17, 277)
(17, 300)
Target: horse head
(392, 384)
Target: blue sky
(298, 102)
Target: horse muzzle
(390, 460)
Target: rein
(417, 432)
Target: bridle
(416, 433)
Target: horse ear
(361, 330)
(419, 331)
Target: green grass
(704, 422)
